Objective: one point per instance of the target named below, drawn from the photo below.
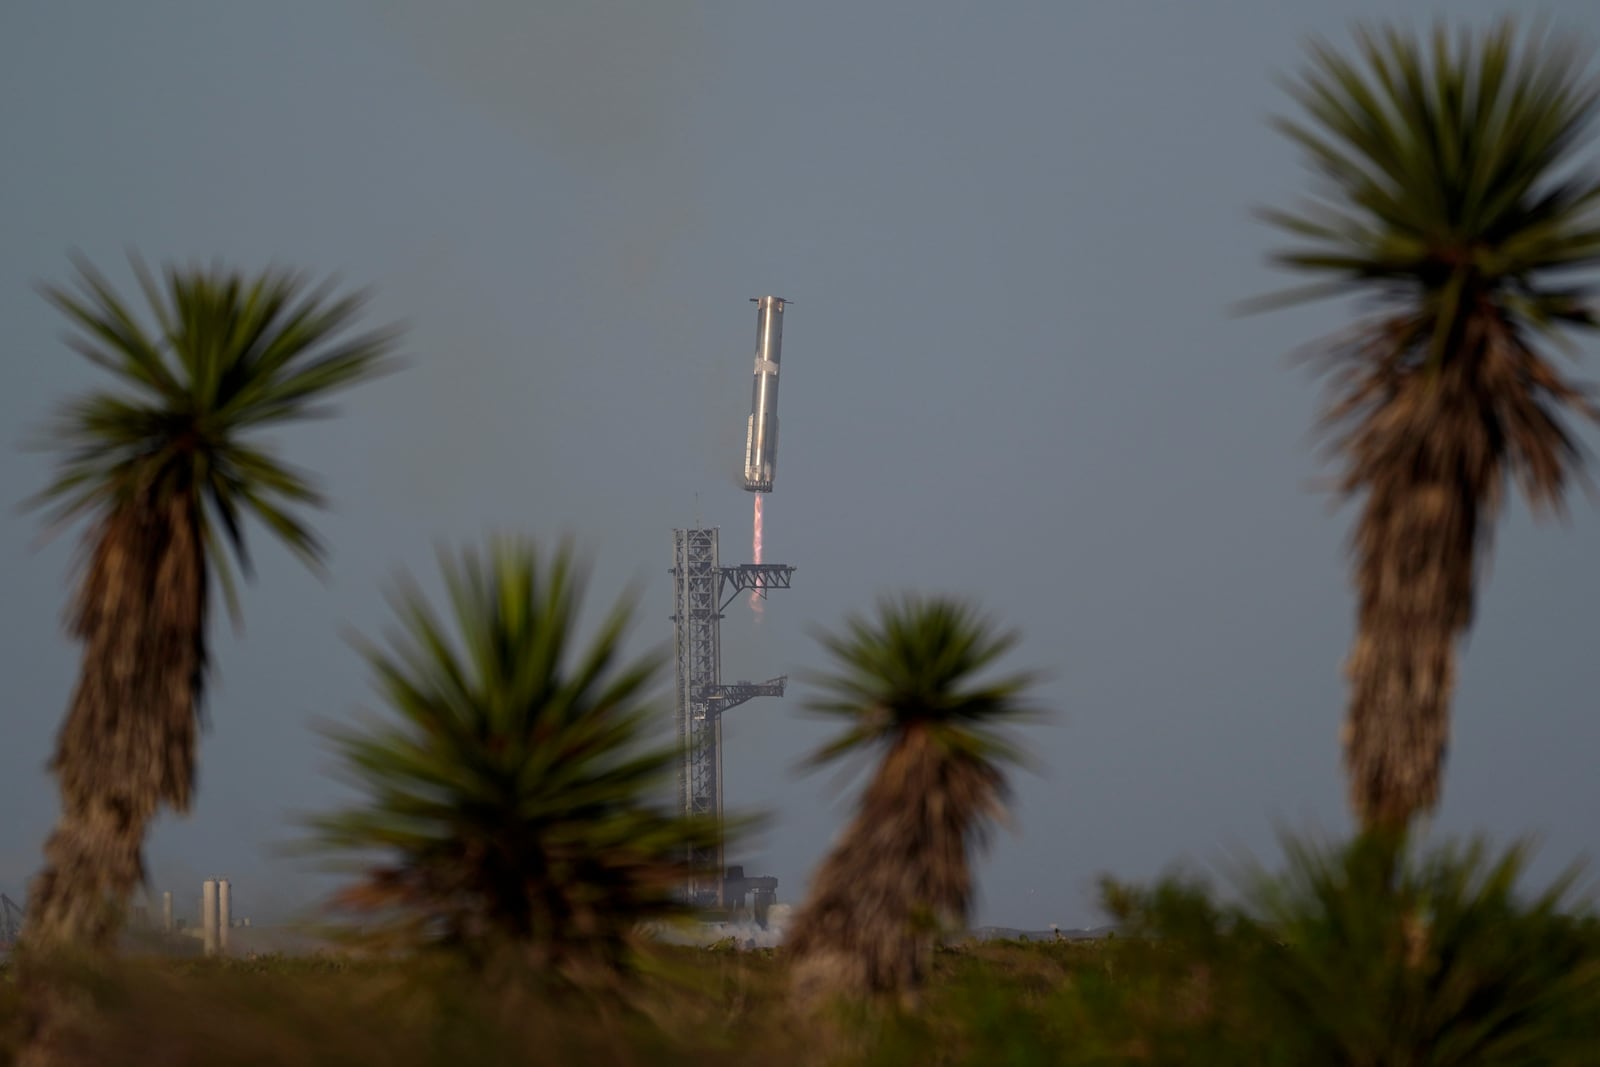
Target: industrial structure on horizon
(216, 914)
(216, 918)
(11, 918)
(701, 588)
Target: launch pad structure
(702, 587)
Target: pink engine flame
(755, 552)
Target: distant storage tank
(224, 914)
(208, 916)
(761, 438)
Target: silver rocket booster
(761, 439)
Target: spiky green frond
(1452, 172)
(1369, 953)
(509, 791)
(921, 664)
(220, 356)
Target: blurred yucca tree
(1457, 195)
(510, 793)
(166, 465)
(912, 686)
(1350, 957)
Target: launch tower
(701, 588)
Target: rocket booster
(761, 438)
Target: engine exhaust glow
(755, 554)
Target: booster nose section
(761, 438)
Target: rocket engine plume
(755, 554)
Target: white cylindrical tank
(208, 915)
(224, 913)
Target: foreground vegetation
(994, 1003)
(510, 805)
(1455, 198)
(914, 686)
(1351, 956)
(164, 465)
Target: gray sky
(1012, 233)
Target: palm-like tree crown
(230, 355)
(1452, 192)
(509, 794)
(1449, 184)
(917, 667)
(1455, 197)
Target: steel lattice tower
(701, 588)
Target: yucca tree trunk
(128, 743)
(897, 877)
(127, 747)
(1433, 477)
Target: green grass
(1008, 1004)
(994, 1004)
(998, 1003)
(1353, 955)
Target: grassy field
(1340, 960)
(1189, 999)
(993, 1003)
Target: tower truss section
(702, 587)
